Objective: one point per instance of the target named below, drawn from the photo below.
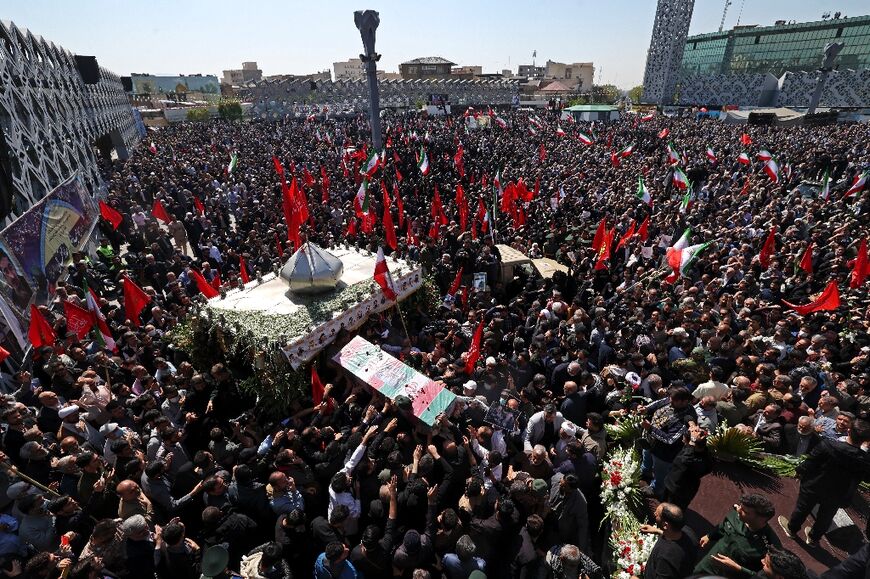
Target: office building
(239, 76)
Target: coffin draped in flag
(393, 379)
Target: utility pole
(367, 22)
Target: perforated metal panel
(670, 30)
(51, 119)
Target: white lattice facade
(843, 88)
(670, 30)
(51, 119)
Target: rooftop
(430, 60)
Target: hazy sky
(199, 36)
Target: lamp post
(832, 50)
(367, 23)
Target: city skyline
(207, 38)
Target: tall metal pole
(367, 22)
(832, 50)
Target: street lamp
(367, 23)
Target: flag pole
(14, 471)
(402, 318)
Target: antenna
(724, 13)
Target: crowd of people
(133, 463)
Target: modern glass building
(778, 49)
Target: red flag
(827, 300)
(768, 249)
(745, 188)
(462, 204)
(111, 215)
(663, 134)
(243, 269)
(279, 246)
(643, 231)
(806, 263)
(324, 185)
(317, 389)
(207, 290)
(745, 139)
(78, 320)
(438, 209)
(307, 177)
(604, 252)
(860, 270)
(464, 296)
(454, 287)
(409, 235)
(434, 231)
(198, 204)
(474, 351)
(628, 235)
(159, 211)
(600, 235)
(508, 197)
(400, 205)
(40, 332)
(351, 227)
(301, 200)
(291, 215)
(614, 158)
(135, 299)
(216, 280)
(389, 228)
(398, 175)
(542, 153)
(383, 277)
(4, 353)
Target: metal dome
(312, 270)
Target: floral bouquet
(632, 554)
(620, 488)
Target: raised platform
(305, 324)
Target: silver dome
(312, 270)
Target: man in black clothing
(575, 405)
(691, 465)
(332, 530)
(829, 476)
(676, 550)
(373, 556)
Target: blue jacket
(345, 569)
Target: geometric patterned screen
(51, 119)
(670, 30)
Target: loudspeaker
(88, 68)
(765, 119)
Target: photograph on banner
(44, 238)
(479, 281)
(13, 287)
(502, 417)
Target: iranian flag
(826, 186)
(585, 139)
(673, 156)
(104, 336)
(626, 151)
(686, 202)
(648, 117)
(859, 184)
(234, 161)
(643, 192)
(764, 155)
(153, 148)
(559, 131)
(371, 164)
(383, 277)
(683, 260)
(744, 159)
(680, 179)
(423, 162)
(711, 155)
(771, 167)
(501, 122)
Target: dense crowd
(152, 466)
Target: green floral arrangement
(730, 444)
(781, 465)
(625, 430)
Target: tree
(230, 110)
(635, 93)
(198, 114)
(604, 94)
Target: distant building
(576, 75)
(531, 71)
(154, 85)
(670, 29)
(467, 72)
(316, 76)
(348, 69)
(426, 67)
(248, 73)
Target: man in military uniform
(741, 541)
